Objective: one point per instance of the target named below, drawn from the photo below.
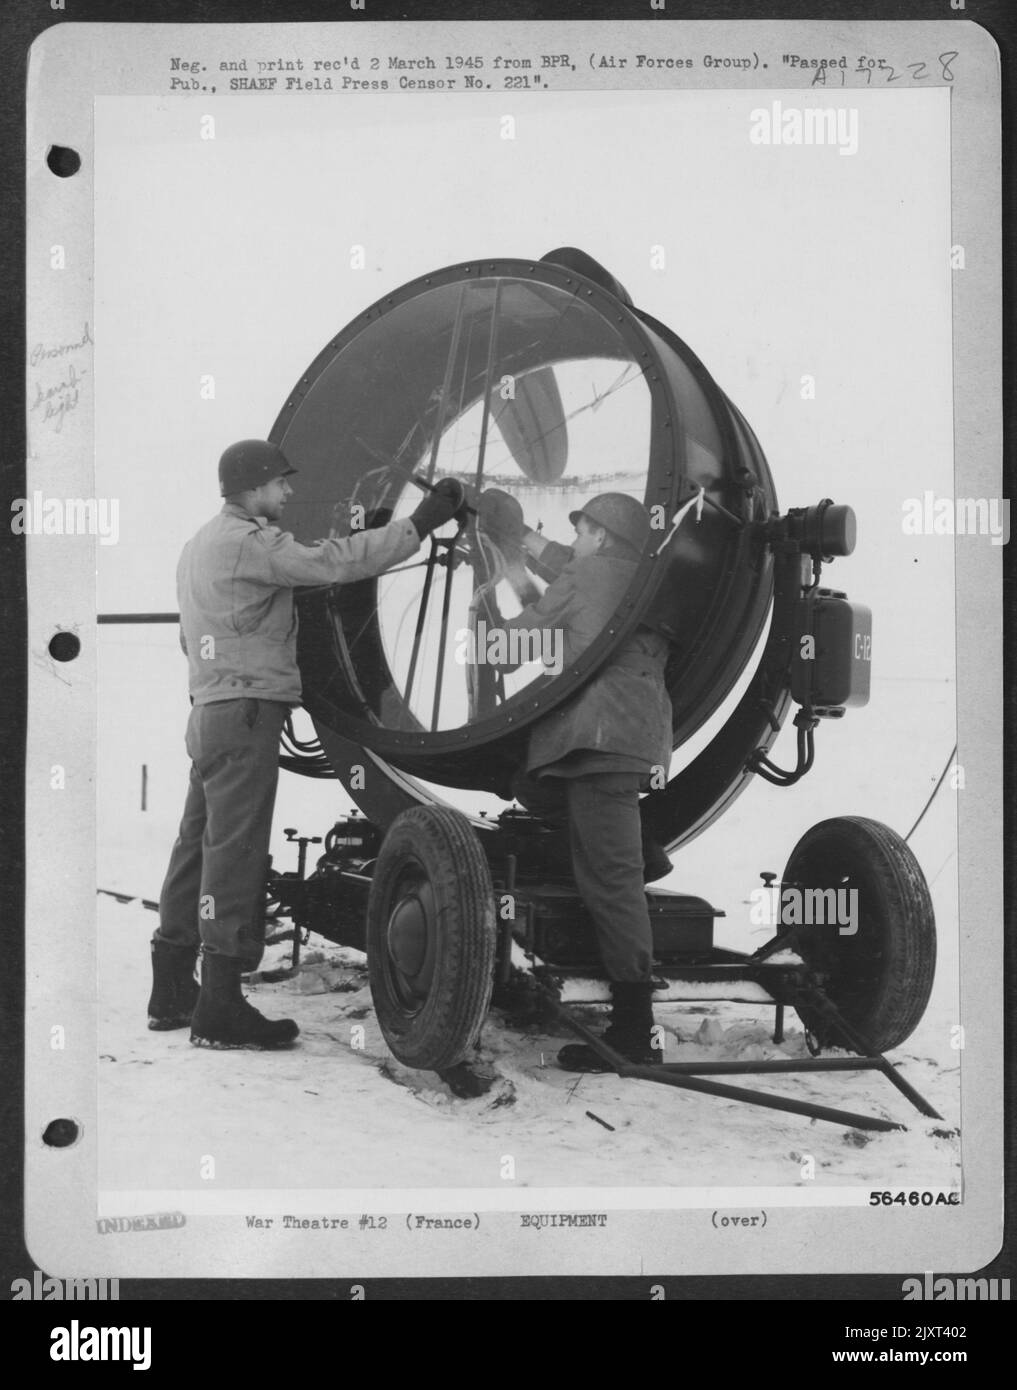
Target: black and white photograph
(526, 727)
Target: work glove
(500, 517)
(439, 505)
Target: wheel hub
(410, 940)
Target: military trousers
(601, 811)
(214, 891)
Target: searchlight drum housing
(542, 379)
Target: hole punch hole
(64, 646)
(61, 1134)
(62, 161)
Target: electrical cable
(932, 797)
(306, 757)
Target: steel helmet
(620, 514)
(250, 463)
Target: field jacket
(235, 582)
(623, 715)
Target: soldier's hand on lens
(500, 516)
(453, 489)
(438, 506)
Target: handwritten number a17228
(919, 71)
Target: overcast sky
(231, 257)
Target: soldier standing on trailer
(238, 629)
(588, 759)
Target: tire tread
(445, 1030)
(899, 1002)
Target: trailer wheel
(879, 975)
(431, 937)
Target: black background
(303, 1334)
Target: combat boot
(174, 988)
(629, 1032)
(224, 1019)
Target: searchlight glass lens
(499, 383)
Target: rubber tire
(880, 978)
(436, 844)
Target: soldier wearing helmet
(238, 630)
(589, 758)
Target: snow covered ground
(328, 1116)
